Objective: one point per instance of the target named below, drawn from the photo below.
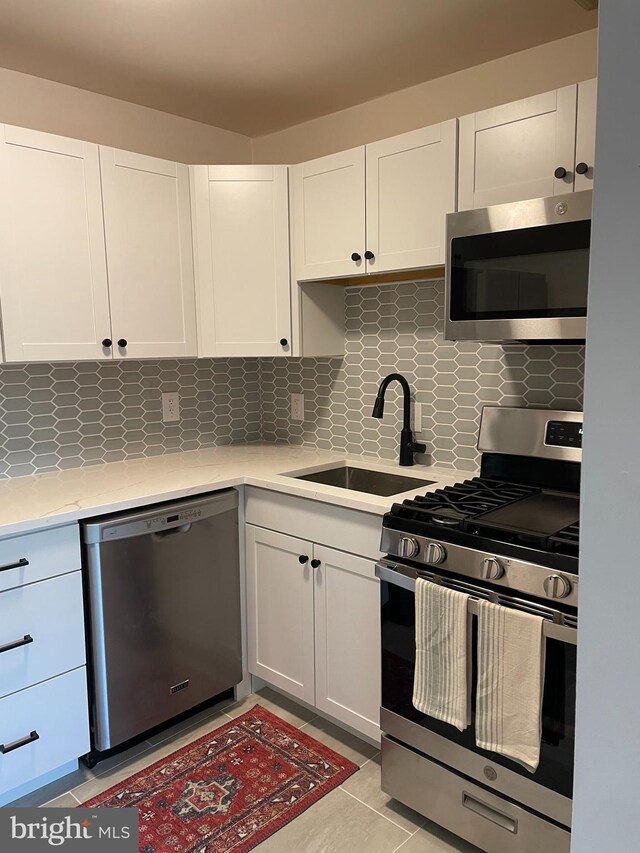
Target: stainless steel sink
(363, 480)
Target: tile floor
(357, 817)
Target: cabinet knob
(107, 342)
(356, 257)
(582, 168)
(369, 256)
(122, 342)
(284, 342)
(315, 564)
(303, 559)
(560, 173)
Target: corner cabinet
(377, 208)
(147, 221)
(53, 273)
(313, 611)
(528, 149)
(241, 247)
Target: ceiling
(255, 66)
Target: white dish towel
(442, 671)
(510, 683)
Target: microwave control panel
(564, 434)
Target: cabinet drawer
(40, 555)
(57, 711)
(45, 622)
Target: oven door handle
(551, 630)
(395, 578)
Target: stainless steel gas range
(509, 536)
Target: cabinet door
(241, 239)
(586, 133)
(53, 276)
(149, 255)
(280, 611)
(511, 152)
(347, 627)
(329, 216)
(411, 186)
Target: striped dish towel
(442, 670)
(510, 683)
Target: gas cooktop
(515, 526)
(518, 514)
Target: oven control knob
(408, 547)
(556, 586)
(492, 569)
(434, 554)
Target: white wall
(607, 791)
(519, 75)
(53, 107)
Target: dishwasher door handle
(172, 531)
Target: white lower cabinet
(44, 711)
(347, 631)
(42, 728)
(313, 625)
(280, 611)
(41, 631)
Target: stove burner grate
(566, 541)
(451, 506)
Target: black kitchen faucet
(407, 445)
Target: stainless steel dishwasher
(163, 587)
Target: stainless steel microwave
(519, 271)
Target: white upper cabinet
(53, 278)
(241, 245)
(378, 208)
(147, 219)
(512, 152)
(411, 186)
(329, 216)
(585, 135)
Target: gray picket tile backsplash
(67, 415)
(400, 328)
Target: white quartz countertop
(46, 500)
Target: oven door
(548, 790)
(519, 271)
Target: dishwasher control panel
(150, 525)
(181, 514)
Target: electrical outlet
(171, 407)
(297, 407)
(417, 418)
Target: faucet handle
(417, 447)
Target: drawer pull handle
(500, 818)
(18, 565)
(17, 643)
(9, 747)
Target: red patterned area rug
(229, 790)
